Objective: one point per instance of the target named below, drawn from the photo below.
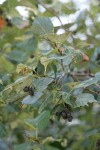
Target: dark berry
(64, 114)
(68, 114)
(31, 91)
(26, 89)
(70, 118)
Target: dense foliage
(49, 75)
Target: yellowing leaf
(72, 84)
(23, 68)
(48, 139)
(45, 61)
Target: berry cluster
(29, 90)
(65, 114)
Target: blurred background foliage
(20, 44)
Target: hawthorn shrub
(49, 82)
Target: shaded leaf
(46, 102)
(41, 121)
(28, 45)
(16, 56)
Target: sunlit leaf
(42, 26)
(32, 99)
(42, 83)
(86, 83)
(84, 99)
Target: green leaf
(60, 38)
(6, 65)
(45, 62)
(76, 54)
(23, 146)
(84, 99)
(28, 45)
(36, 148)
(48, 139)
(66, 98)
(58, 57)
(46, 102)
(41, 121)
(32, 99)
(67, 60)
(3, 131)
(91, 132)
(19, 23)
(86, 83)
(54, 69)
(16, 56)
(48, 147)
(42, 26)
(97, 76)
(42, 83)
(15, 91)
